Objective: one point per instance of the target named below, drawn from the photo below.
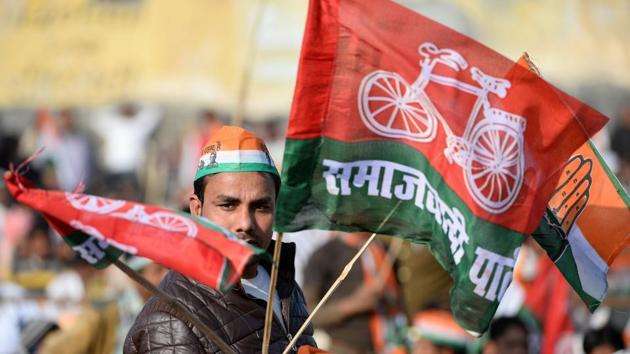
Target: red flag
(376, 71)
(549, 299)
(99, 228)
(404, 127)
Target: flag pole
(342, 277)
(178, 307)
(272, 287)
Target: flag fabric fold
(391, 106)
(101, 229)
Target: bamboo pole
(181, 310)
(272, 287)
(342, 277)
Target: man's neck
(250, 271)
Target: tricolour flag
(587, 222)
(393, 110)
(100, 229)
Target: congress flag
(587, 221)
(587, 224)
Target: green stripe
(224, 277)
(304, 203)
(236, 167)
(77, 238)
(568, 268)
(551, 237)
(620, 190)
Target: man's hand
(572, 194)
(363, 299)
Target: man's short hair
(502, 324)
(603, 336)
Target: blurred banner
(89, 52)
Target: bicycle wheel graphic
(494, 168)
(389, 107)
(94, 204)
(173, 222)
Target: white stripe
(239, 156)
(591, 267)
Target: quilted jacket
(235, 316)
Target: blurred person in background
(18, 307)
(124, 132)
(434, 331)
(605, 340)
(35, 252)
(133, 296)
(87, 318)
(365, 313)
(193, 141)
(34, 262)
(72, 153)
(507, 335)
(65, 160)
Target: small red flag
(99, 229)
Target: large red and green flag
(101, 229)
(393, 111)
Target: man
(236, 185)
(435, 331)
(364, 314)
(508, 335)
(606, 340)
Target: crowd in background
(53, 302)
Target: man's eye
(263, 208)
(227, 206)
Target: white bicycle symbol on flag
(490, 151)
(165, 220)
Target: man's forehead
(239, 185)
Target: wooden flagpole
(272, 287)
(181, 310)
(342, 277)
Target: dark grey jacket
(235, 316)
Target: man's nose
(244, 221)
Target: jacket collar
(286, 269)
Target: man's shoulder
(190, 291)
(332, 252)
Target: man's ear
(195, 205)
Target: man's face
(513, 341)
(242, 202)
